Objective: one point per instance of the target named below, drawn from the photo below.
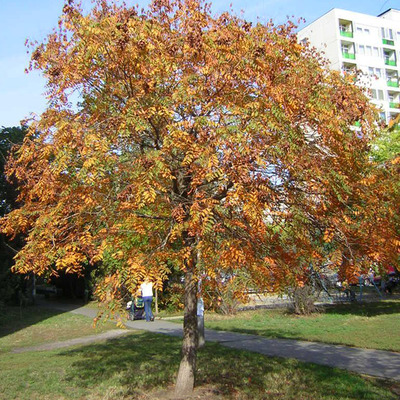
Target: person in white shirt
(147, 293)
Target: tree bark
(187, 369)
(156, 302)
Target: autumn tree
(384, 183)
(200, 142)
(367, 232)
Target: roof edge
(389, 9)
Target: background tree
(367, 233)
(386, 148)
(9, 283)
(385, 181)
(200, 143)
(9, 137)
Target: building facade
(353, 42)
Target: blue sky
(22, 94)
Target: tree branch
(223, 194)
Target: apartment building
(353, 42)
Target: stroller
(136, 308)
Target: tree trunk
(187, 369)
(156, 302)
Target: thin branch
(140, 215)
(223, 194)
(11, 248)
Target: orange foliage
(194, 133)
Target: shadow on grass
(14, 318)
(145, 362)
(268, 333)
(383, 307)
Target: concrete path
(383, 364)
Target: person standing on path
(147, 294)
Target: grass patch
(140, 364)
(367, 325)
(30, 326)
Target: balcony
(393, 83)
(388, 41)
(393, 104)
(391, 62)
(346, 28)
(349, 56)
(346, 34)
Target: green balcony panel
(350, 56)
(394, 105)
(390, 62)
(388, 41)
(346, 34)
(393, 83)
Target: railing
(388, 41)
(393, 83)
(391, 62)
(350, 56)
(393, 104)
(346, 34)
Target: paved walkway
(383, 364)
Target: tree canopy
(205, 143)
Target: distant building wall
(353, 41)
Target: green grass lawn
(140, 365)
(30, 326)
(368, 325)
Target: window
(361, 49)
(377, 94)
(366, 31)
(389, 57)
(391, 76)
(359, 30)
(348, 69)
(375, 52)
(368, 51)
(346, 26)
(375, 72)
(387, 33)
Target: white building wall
(362, 47)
